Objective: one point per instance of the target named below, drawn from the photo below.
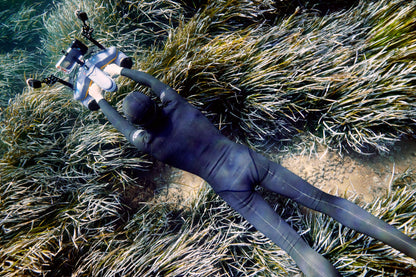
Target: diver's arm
(139, 138)
(163, 91)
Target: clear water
(21, 30)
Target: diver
(178, 134)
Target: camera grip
(102, 79)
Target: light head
(33, 83)
(82, 16)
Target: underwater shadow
(326, 7)
(286, 8)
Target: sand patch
(365, 176)
(179, 187)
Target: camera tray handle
(50, 80)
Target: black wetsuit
(187, 140)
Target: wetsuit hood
(142, 110)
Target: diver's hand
(113, 70)
(96, 92)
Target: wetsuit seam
(255, 166)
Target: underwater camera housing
(91, 70)
(72, 56)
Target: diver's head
(140, 109)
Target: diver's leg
(279, 179)
(256, 211)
